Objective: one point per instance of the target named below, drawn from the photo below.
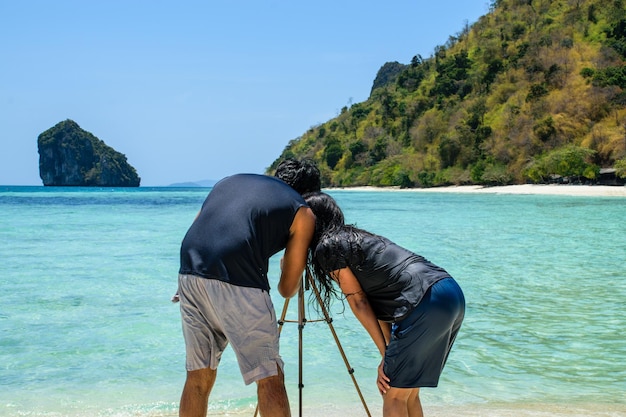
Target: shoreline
(528, 189)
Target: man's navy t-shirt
(243, 222)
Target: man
(223, 284)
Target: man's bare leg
(195, 398)
(272, 396)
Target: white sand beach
(531, 189)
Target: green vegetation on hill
(534, 89)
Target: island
(71, 156)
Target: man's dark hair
(302, 175)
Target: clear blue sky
(194, 90)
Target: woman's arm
(362, 309)
(360, 306)
(386, 328)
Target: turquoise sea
(87, 327)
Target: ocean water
(87, 327)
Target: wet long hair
(332, 233)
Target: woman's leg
(402, 402)
(414, 404)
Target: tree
(572, 162)
(332, 152)
(620, 168)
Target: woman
(411, 308)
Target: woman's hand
(382, 381)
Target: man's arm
(294, 260)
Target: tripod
(302, 320)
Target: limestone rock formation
(71, 156)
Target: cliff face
(71, 156)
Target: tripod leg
(301, 323)
(282, 316)
(329, 320)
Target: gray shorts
(215, 313)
